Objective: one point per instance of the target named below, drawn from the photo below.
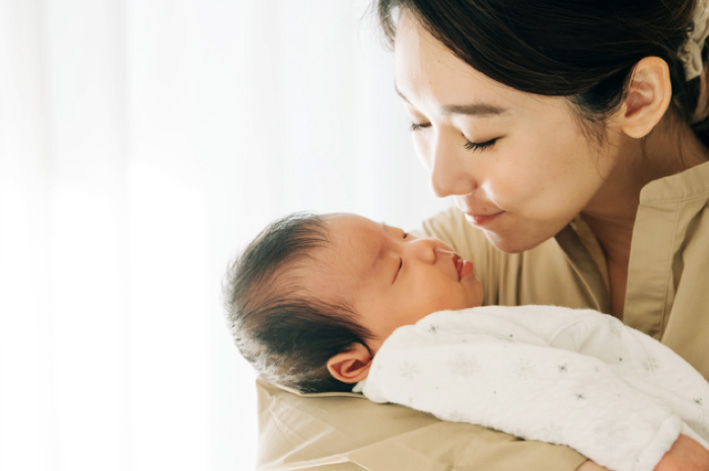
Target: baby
(321, 303)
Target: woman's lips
(481, 219)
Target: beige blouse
(667, 297)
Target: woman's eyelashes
(480, 146)
(470, 145)
(416, 126)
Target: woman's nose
(450, 168)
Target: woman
(564, 132)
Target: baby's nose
(426, 249)
(444, 253)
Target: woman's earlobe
(352, 365)
(648, 97)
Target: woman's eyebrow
(472, 109)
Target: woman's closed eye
(416, 126)
(470, 145)
(480, 146)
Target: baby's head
(312, 298)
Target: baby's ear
(352, 365)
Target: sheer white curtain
(142, 144)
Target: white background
(142, 144)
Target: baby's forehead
(345, 225)
(354, 236)
(347, 259)
(321, 276)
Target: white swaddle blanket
(612, 393)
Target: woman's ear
(647, 99)
(352, 365)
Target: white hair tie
(691, 52)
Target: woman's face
(519, 165)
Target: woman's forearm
(685, 455)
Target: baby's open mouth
(462, 267)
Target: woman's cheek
(421, 150)
(502, 185)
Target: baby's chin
(475, 303)
(461, 308)
(473, 306)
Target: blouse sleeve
(346, 432)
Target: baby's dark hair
(287, 334)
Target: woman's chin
(512, 243)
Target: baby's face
(390, 278)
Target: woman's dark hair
(286, 334)
(582, 49)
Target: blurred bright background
(143, 143)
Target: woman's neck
(671, 148)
